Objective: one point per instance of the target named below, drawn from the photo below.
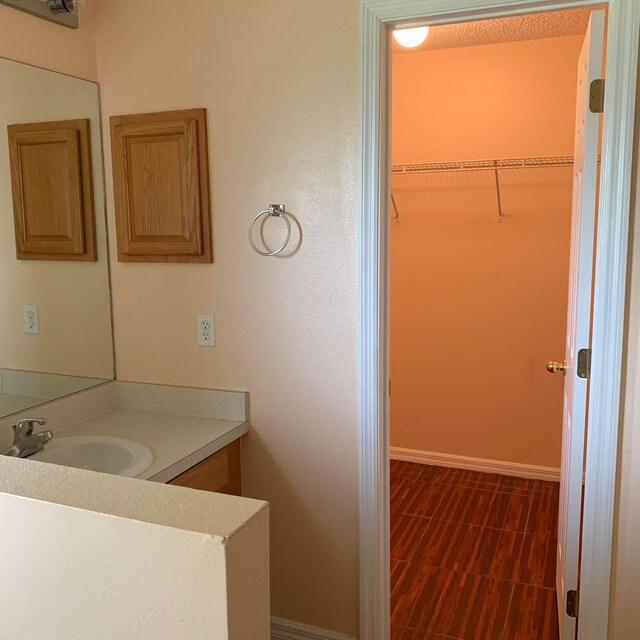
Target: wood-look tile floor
(472, 555)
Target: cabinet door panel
(219, 472)
(52, 188)
(161, 183)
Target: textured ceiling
(533, 26)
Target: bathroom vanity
(189, 451)
(174, 435)
(58, 363)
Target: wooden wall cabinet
(161, 184)
(52, 186)
(219, 472)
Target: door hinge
(584, 363)
(596, 96)
(573, 599)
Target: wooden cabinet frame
(220, 472)
(161, 184)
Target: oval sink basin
(118, 456)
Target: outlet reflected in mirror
(55, 316)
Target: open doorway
(494, 147)
(610, 291)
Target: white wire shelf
(482, 165)
(477, 165)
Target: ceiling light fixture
(412, 37)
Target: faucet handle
(24, 428)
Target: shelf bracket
(495, 170)
(396, 217)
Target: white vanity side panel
(247, 579)
(97, 576)
(187, 401)
(108, 558)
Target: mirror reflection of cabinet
(55, 317)
(52, 185)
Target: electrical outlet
(206, 330)
(31, 320)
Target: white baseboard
(282, 629)
(517, 469)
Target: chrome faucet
(25, 442)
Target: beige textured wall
(280, 82)
(35, 41)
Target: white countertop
(178, 442)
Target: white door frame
(377, 16)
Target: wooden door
(578, 323)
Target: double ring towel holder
(273, 211)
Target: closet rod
(482, 165)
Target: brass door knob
(554, 367)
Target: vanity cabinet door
(219, 472)
(161, 184)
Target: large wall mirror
(55, 310)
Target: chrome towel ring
(277, 211)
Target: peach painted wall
(26, 38)
(279, 80)
(477, 307)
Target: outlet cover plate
(31, 320)
(206, 328)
